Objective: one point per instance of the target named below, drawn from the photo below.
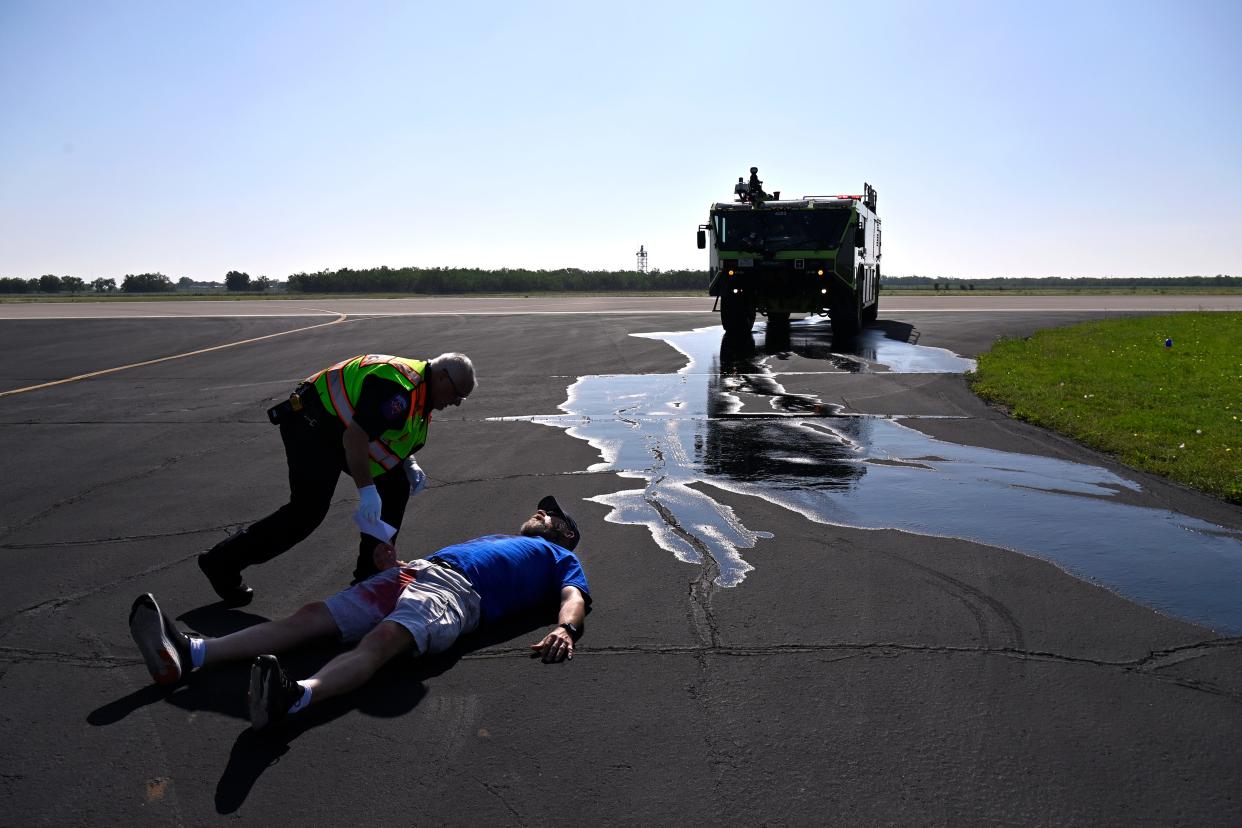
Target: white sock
(302, 702)
(198, 652)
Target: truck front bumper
(777, 289)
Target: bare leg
(310, 622)
(352, 669)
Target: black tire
(869, 315)
(845, 312)
(736, 314)
(778, 321)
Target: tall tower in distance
(642, 259)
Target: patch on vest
(395, 408)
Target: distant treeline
(1059, 282)
(447, 280)
(132, 283)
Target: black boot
(365, 569)
(226, 581)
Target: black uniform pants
(316, 460)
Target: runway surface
(830, 585)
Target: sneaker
(165, 649)
(272, 692)
(228, 584)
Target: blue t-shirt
(514, 573)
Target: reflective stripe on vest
(380, 454)
(340, 385)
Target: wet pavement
(724, 421)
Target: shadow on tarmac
(394, 691)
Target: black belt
(304, 405)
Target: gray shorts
(434, 603)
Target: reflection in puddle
(725, 421)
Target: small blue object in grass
(1168, 343)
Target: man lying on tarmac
(421, 606)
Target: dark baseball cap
(549, 505)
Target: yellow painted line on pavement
(341, 318)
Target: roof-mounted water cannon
(751, 192)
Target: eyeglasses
(453, 385)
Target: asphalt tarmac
(775, 646)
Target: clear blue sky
(1004, 138)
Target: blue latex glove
(416, 476)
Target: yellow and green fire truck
(811, 255)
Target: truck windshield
(773, 230)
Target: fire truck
(811, 255)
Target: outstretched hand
(555, 647)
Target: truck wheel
(869, 315)
(736, 314)
(778, 321)
(845, 313)
(776, 337)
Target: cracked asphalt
(854, 677)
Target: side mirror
(702, 239)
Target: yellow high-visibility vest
(340, 385)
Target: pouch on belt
(285, 411)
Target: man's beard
(534, 529)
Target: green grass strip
(1114, 385)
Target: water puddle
(724, 421)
